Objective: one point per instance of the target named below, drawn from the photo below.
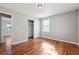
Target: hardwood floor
(5, 47)
(43, 46)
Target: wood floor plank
(42, 46)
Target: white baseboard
(47, 38)
(61, 40)
(19, 42)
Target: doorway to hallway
(5, 33)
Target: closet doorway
(30, 29)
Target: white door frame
(2, 29)
(12, 26)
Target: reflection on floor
(43, 46)
(5, 47)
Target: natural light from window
(45, 25)
(49, 49)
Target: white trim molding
(60, 40)
(19, 42)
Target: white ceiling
(48, 9)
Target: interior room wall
(78, 26)
(36, 28)
(20, 33)
(0, 29)
(62, 26)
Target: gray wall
(19, 27)
(78, 25)
(19, 24)
(63, 26)
(0, 28)
(36, 28)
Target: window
(45, 25)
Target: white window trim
(43, 28)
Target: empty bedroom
(39, 28)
